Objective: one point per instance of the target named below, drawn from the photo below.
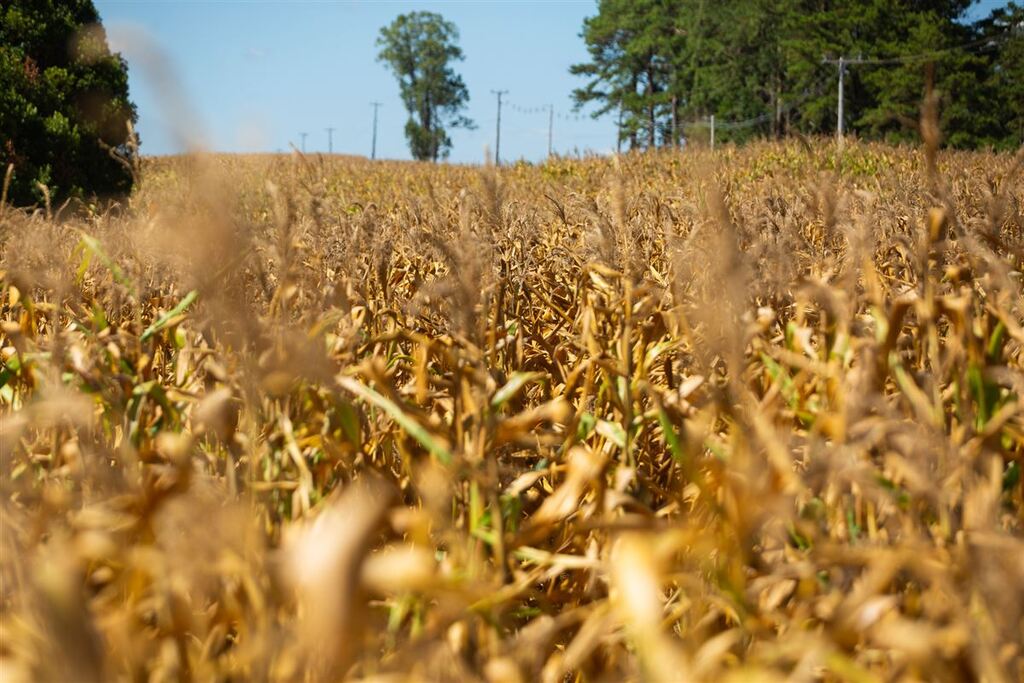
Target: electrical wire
(978, 45)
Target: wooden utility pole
(839, 106)
(373, 145)
(551, 125)
(675, 121)
(497, 137)
(842, 63)
(618, 139)
(652, 131)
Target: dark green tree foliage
(629, 67)
(419, 47)
(64, 109)
(1005, 82)
(904, 44)
(660, 63)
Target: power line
(978, 45)
(843, 62)
(543, 109)
(764, 118)
(548, 109)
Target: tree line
(659, 65)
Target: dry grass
(737, 417)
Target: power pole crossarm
(497, 138)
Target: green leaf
(780, 375)
(169, 315)
(513, 386)
(985, 394)
(852, 526)
(476, 509)
(1012, 476)
(83, 265)
(586, 425)
(612, 431)
(995, 342)
(92, 245)
(411, 427)
(671, 439)
(349, 419)
(99, 318)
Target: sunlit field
(753, 414)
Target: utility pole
(618, 138)
(303, 141)
(373, 147)
(675, 122)
(497, 139)
(839, 106)
(551, 125)
(330, 141)
(842, 63)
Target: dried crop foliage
(750, 415)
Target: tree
(1005, 29)
(419, 47)
(65, 117)
(629, 70)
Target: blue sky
(254, 74)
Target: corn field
(749, 415)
